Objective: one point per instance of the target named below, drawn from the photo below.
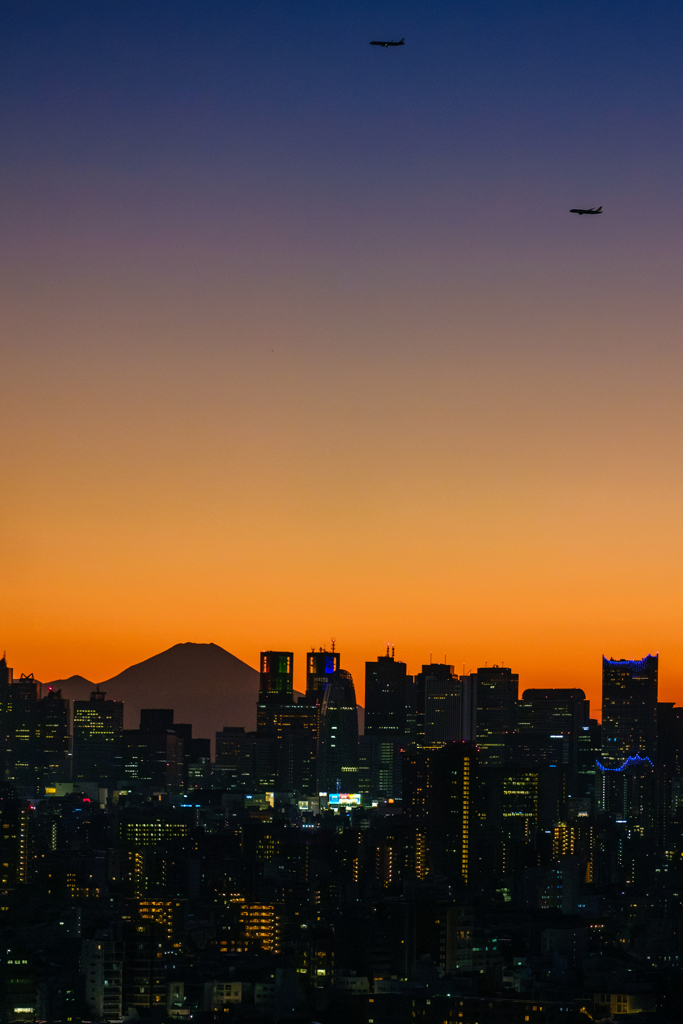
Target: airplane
(387, 42)
(592, 210)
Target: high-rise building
(153, 755)
(550, 723)
(5, 705)
(338, 736)
(276, 678)
(438, 699)
(102, 964)
(22, 735)
(438, 790)
(629, 709)
(97, 739)
(389, 722)
(35, 733)
(389, 703)
(496, 701)
(53, 739)
(320, 668)
(284, 757)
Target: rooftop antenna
(392, 650)
(333, 645)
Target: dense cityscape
(476, 854)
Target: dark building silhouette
(389, 724)
(276, 684)
(286, 753)
(496, 701)
(235, 759)
(389, 707)
(153, 755)
(320, 668)
(53, 739)
(35, 733)
(629, 709)
(338, 736)
(550, 723)
(438, 700)
(5, 707)
(284, 756)
(98, 739)
(22, 732)
(438, 793)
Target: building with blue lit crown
(629, 709)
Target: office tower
(438, 702)
(590, 746)
(389, 703)
(97, 739)
(496, 694)
(389, 722)
(5, 683)
(629, 709)
(276, 684)
(320, 668)
(287, 731)
(36, 734)
(550, 723)
(234, 769)
(338, 736)
(438, 790)
(53, 739)
(153, 754)
(22, 738)
(627, 793)
(276, 687)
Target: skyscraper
(97, 739)
(629, 709)
(286, 731)
(438, 789)
(53, 739)
(338, 736)
(389, 709)
(320, 668)
(276, 686)
(438, 694)
(496, 696)
(550, 723)
(389, 722)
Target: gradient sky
(299, 339)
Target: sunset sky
(300, 341)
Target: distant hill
(75, 681)
(203, 683)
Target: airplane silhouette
(387, 42)
(592, 210)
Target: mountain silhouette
(204, 684)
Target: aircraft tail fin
(599, 209)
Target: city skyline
(300, 673)
(300, 339)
